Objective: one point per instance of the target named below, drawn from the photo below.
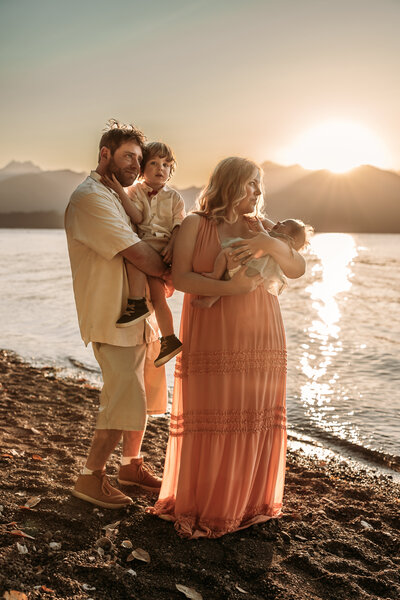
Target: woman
(225, 461)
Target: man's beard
(125, 176)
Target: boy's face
(157, 171)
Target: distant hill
(276, 177)
(18, 168)
(32, 220)
(190, 196)
(25, 188)
(366, 199)
(38, 192)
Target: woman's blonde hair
(227, 188)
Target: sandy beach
(338, 538)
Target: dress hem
(191, 527)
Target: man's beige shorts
(133, 386)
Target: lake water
(342, 322)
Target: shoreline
(368, 458)
(338, 537)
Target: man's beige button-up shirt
(98, 229)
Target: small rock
(22, 549)
(55, 545)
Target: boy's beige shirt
(98, 228)
(161, 212)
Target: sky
(212, 78)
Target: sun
(338, 146)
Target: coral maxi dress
(225, 461)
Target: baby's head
(158, 164)
(298, 233)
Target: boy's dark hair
(158, 149)
(117, 133)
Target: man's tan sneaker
(137, 473)
(95, 488)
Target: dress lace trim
(189, 525)
(228, 361)
(228, 421)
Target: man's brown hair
(117, 133)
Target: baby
(292, 231)
(157, 211)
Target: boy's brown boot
(170, 347)
(136, 311)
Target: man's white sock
(126, 460)
(86, 471)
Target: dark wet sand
(338, 539)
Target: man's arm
(145, 259)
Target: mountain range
(366, 199)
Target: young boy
(157, 211)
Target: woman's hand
(243, 284)
(113, 183)
(253, 247)
(291, 262)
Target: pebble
(55, 545)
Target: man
(100, 237)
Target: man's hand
(167, 253)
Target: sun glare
(338, 146)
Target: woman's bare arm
(186, 280)
(291, 262)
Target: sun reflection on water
(331, 278)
